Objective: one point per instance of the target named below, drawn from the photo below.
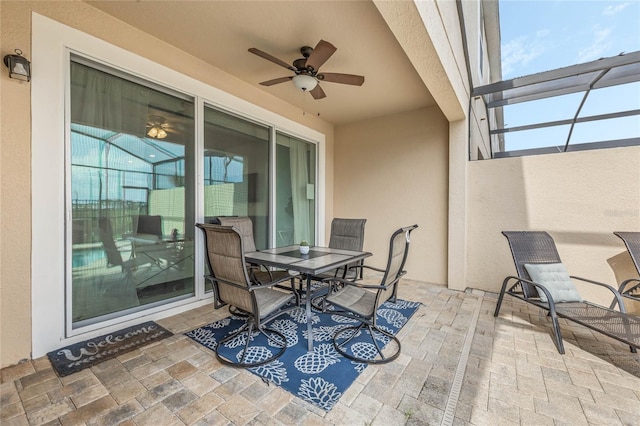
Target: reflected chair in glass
(360, 301)
(261, 302)
(146, 239)
(114, 255)
(146, 225)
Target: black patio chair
(260, 302)
(361, 301)
(535, 253)
(630, 288)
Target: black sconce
(19, 66)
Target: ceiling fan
(158, 128)
(306, 69)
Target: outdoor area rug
(319, 377)
(85, 354)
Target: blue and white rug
(320, 377)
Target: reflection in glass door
(295, 191)
(131, 194)
(236, 171)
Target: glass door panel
(295, 191)
(236, 171)
(131, 194)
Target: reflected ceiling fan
(306, 69)
(158, 127)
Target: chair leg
(557, 333)
(380, 358)
(251, 357)
(501, 297)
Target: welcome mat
(320, 377)
(85, 354)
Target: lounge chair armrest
(607, 286)
(550, 301)
(624, 284)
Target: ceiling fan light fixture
(157, 132)
(161, 133)
(305, 82)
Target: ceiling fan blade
(333, 77)
(271, 58)
(276, 81)
(320, 54)
(318, 93)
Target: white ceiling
(220, 32)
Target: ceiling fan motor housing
(301, 65)
(306, 69)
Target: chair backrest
(114, 257)
(347, 234)
(225, 255)
(244, 225)
(151, 225)
(398, 251)
(531, 247)
(632, 241)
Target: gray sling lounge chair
(538, 248)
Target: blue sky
(542, 35)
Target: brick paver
(513, 376)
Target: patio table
(317, 261)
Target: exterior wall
(393, 171)
(15, 108)
(580, 198)
(430, 34)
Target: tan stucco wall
(580, 198)
(15, 225)
(393, 171)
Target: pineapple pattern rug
(320, 377)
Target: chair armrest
(367, 267)
(624, 284)
(272, 283)
(369, 286)
(618, 297)
(550, 301)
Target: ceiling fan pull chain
(304, 110)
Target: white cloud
(518, 53)
(543, 33)
(601, 42)
(612, 10)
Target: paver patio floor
(459, 365)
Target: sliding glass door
(131, 194)
(236, 171)
(295, 191)
(131, 190)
